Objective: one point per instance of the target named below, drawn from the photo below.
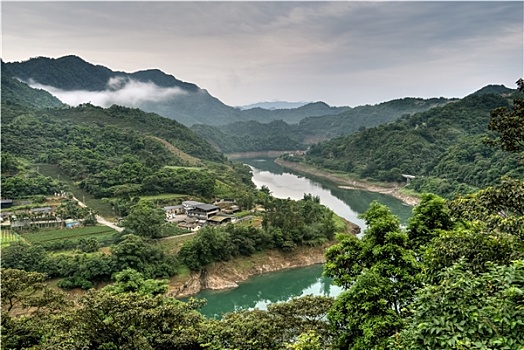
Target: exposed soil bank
(345, 182)
(225, 275)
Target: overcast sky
(343, 53)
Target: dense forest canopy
(443, 148)
(283, 134)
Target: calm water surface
(261, 290)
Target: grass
(173, 245)
(99, 205)
(409, 192)
(184, 167)
(340, 223)
(8, 237)
(163, 196)
(98, 232)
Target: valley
(120, 209)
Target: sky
(344, 53)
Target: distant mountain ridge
(279, 135)
(274, 105)
(192, 105)
(73, 73)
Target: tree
(362, 317)
(26, 293)
(473, 247)
(468, 311)
(107, 320)
(135, 253)
(23, 256)
(509, 124)
(430, 217)
(276, 328)
(88, 245)
(499, 207)
(22, 289)
(145, 220)
(132, 281)
(380, 274)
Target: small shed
(219, 220)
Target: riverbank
(343, 181)
(225, 275)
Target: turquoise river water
(261, 290)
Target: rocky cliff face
(224, 275)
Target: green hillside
(280, 135)
(192, 105)
(16, 93)
(442, 147)
(113, 152)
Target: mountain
(17, 93)
(494, 89)
(72, 78)
(442, 147)
(169, 97)
(294, 115)
(277, 135)
(108, 152)
(274, 105)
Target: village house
(190, 224)
(227, 205)
(203, 211)
(172, 211)
(219, 220)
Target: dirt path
(101, 220)
(347, 183)
(177, 152)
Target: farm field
(100, 206)
(7, 237)
(101, 233)
(163, 196)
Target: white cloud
(121, 91)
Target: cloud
(247, 51)
(120, 90)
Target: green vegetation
(286, 224)
(7, 237)
(443, 282)
(101, 233)
(313, 126)
(452, 279)
(442, 147)
(107, 153)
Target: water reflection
(346, 203)
(262, 290)
(259, 291)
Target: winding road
(101, 220)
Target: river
(261, 290)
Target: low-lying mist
(120, 91)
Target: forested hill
(168, 96)
(277, 135)
(109, 152)
(15, 92)
(442, 147)
(182, 101)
